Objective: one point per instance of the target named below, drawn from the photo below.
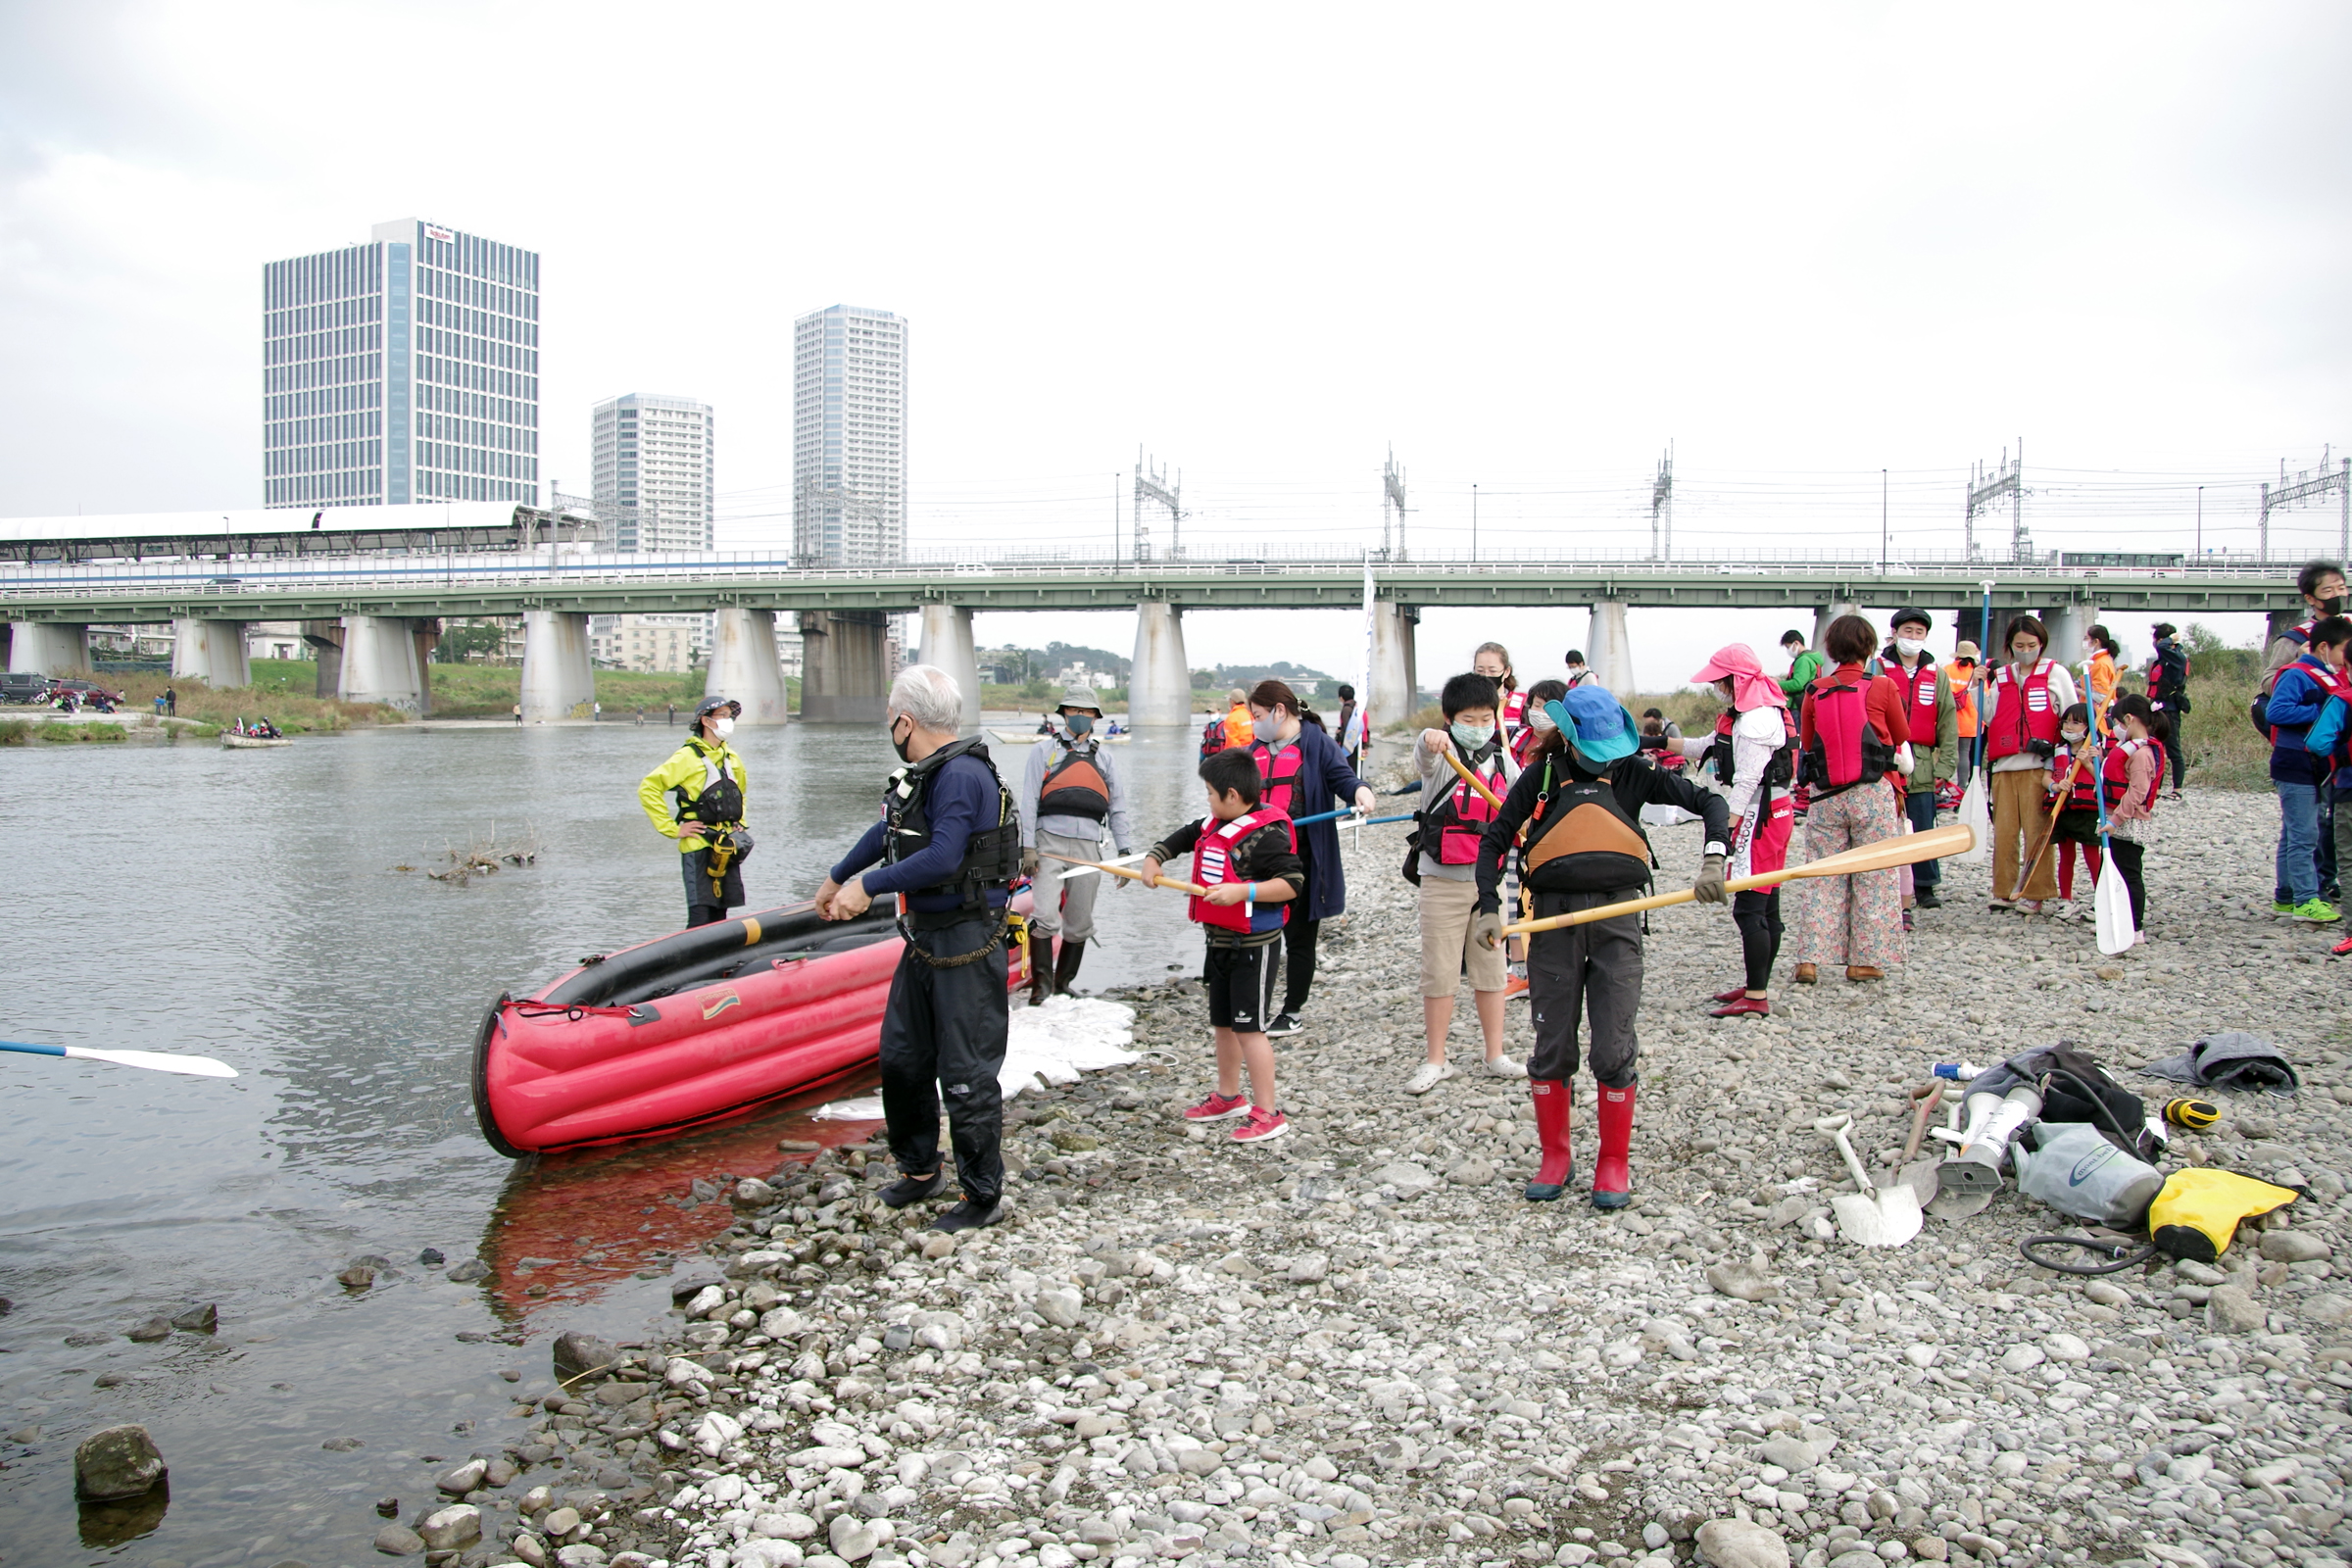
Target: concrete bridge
(373, 617)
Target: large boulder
(577, 1354)
(117, 1462)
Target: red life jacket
(2114, 775)
(1212, 737)
(1277, 776)
(1523, 742)
(1213, 863)
(1460, 819)
(1514, 711)
(1074, 787)
(1919, 698)
(1846, 747)
(2079, 796)
(2017, 718)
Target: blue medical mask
(1079, 723)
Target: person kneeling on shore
(1581, 798)
(1247, 857)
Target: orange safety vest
(1964, 697)
(1239, 730)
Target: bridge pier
(382, 662)
(1159, 681)
(2068, 624)
(844, 678)
(49, 648)
(212, 651)
(1609, 647)
(1395, 663)
(946, 643)
(1823, 615)
(558, 680)
(743, 665)
(325, 638)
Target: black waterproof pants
(1758, 915)
(701, 909)
(1579, 969)
(943, 1034)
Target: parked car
(88, 692)
(23, 687)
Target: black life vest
(1075, 787)
(991, 855)
(1779, 774)
(719, 802)
(1580, 837)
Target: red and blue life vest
(1213, 864)
(1919, 698)
(2022, 715)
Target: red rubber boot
(1553, 1098)
(1612, 1180)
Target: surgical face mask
(2072, 735)
(1469, 737)
(1910, 646)
(722, 726)
(1079, 723)
(1541, 720)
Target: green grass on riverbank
(287, 701)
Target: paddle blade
(1975, 814)
(158, 1061)
(2112, 906)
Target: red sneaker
(1216, 1108)
(1733, 995)
(1260, 1126)
(1743, 1006)
(2342, 948)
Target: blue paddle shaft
(1326, 816)
(31, 1050)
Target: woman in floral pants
(1853, 920)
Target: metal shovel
(1872, 1216)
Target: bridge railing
(266, 574)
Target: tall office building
(848, 437)
(403, 370)
(653, 459)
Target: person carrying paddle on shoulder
(697, 798)
(1069, 793)
(1580, 800)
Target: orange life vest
(1074, 787)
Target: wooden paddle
(1904, 849)
(1194, 888)
(1473, 780)
(2050, 831)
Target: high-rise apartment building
(848, 437)
(401, 371)
(653, 462)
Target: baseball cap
(1596, 723)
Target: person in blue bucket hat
(1580, 799)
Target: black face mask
(2333, 607)
(900, 745)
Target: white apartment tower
(400, 371)
(848, 437)
(652, 459)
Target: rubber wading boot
(1041, 966)
(1612, 1180)
(1065, 967)
(1554, 1097)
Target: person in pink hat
(1753, 754)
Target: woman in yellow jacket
(697, 798)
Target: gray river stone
(120, 1461)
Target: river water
(245, 905)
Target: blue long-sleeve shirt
(962, 795)
(2298, 703)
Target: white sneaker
(1428, 1076)
(1505, 1067)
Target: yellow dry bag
(2200, 1208)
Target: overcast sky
(1529, 248)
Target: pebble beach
(1358, 1344)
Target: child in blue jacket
(2307, 718)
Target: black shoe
(969, 1216)
(1284, 1023)
(1926, 899)
(914, 1189)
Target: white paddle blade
(2112, 904)
(157, 1061)
(1975, 814)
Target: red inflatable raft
(688, 1029)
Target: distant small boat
(251, 741)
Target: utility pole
(2310, 486)
(1392, 499)
(2200, 522)
(1661, 507)
(1152, 484)
(1881, 522)
(1986, 486)
(1474, 520)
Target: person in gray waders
(697, 798)
(949, 844)
(1069, 792)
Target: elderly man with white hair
(949, 843)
